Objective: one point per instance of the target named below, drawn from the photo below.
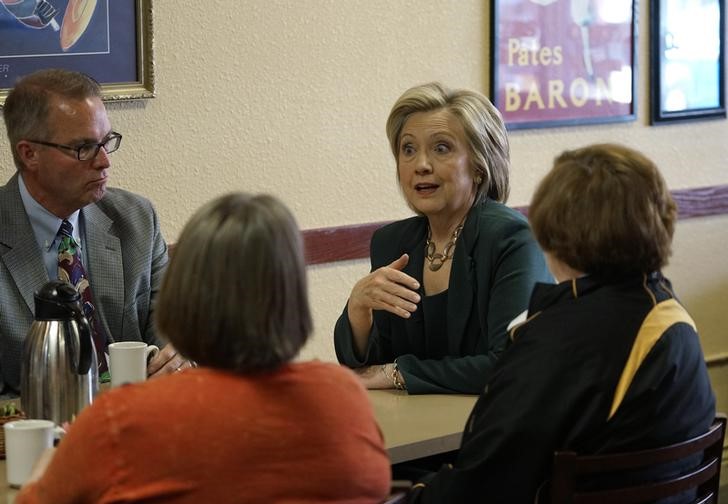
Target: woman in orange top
(247, 425)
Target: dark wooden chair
(570, 468)
(397, 498)
(398, 492)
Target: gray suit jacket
(126, 260)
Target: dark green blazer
(495, 266)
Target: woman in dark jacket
(431, 316)
(608, 360)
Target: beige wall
(290, 97)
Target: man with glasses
(58, 205)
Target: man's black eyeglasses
(88, 151)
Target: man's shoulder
(12, 211)
(124, 208)
(10, 186)
(117, 197)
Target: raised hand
(386, 288)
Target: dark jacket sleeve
(344, 342)
(507, 262)
(377, 349)
(516, 415)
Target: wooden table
(8, 493)
(5, 490)
(415, 426)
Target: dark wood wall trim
(716, 360)
(343, 243)
(701, 201)
(325, 245)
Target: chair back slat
(569, 468)
(632, 460)
(652, 491)
(399, 498)
(708, 499)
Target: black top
(599, 367)
(434, 334)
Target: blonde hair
(483, 125)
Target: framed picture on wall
(110, 40)
(563, 62)
(687, 53)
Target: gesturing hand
(386, 288)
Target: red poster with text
(563, 61)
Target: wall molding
(717, 360)
(344, 243)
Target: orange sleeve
(81, 469)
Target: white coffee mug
(128, 361)
(25, 441)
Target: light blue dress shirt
(45, 227)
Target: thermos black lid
(56, 301)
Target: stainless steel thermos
(59, 374)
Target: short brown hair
(27, 105)
(234, 295)
(484, 130)
(606, 210)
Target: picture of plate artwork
(75, 21)
(44, 14)
(109, 40)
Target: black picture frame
(687, 53)
(115, 46)
(574, 61)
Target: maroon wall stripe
(701, 201)
(343, 243)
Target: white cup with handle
(25, 441)
(128, 361)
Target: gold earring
(477, 180)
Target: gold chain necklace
(435, 258)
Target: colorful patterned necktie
(70, 269)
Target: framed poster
(687, 59)
(110, 40)
(563, 62)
